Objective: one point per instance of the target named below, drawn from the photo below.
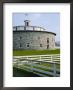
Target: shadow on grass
(22, 73)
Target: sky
(49, 21)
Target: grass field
(22, 73)
(35, 52)
(26, 72)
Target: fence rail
(33, 28)
(42, 65)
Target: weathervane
(26, 16)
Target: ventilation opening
(47, 46)
(40, 45)
(27, 44)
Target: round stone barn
(29, 37)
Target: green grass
(23, 68)
(35, 52)
(18, 72)
(22, 73)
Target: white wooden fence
(35, 64)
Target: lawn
(35, 52)
(22, 73)
(25, 71)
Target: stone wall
(33, 40)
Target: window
(20, 45)
(47, 46)
(27, 23)
(47, 40)
(27, 44)
(40, 45)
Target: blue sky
(49, 21)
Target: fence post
(51, 59)
(17, 64)
(40, 59)
(27, 59)
(31, 67)
(54, 69)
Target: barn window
(40, 45)
(20, 45)
(27, 44)
(47, 40)
(47, 46)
